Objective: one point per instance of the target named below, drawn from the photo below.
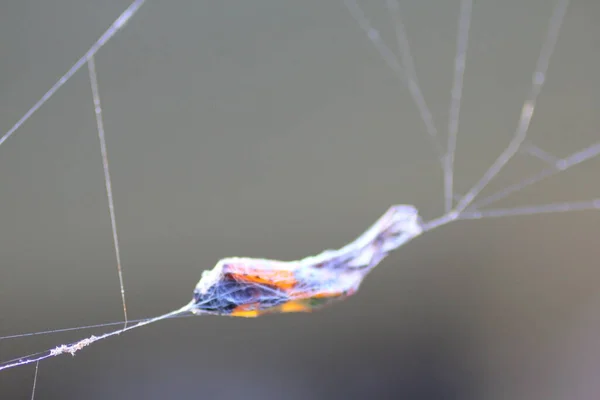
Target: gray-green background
(273, 129)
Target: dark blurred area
(273, 129)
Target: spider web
(476, 201)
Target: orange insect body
(248, 287)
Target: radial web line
(561, 165)
(110, 32)
(462, 41)
(538, 153)
(409, 68)
(531, 210)
(79, 328)
(528, 107)
(37, 366)
(107, 180)
(392, 61)
(74, 347)
(408, 62)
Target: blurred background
(273, 129)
